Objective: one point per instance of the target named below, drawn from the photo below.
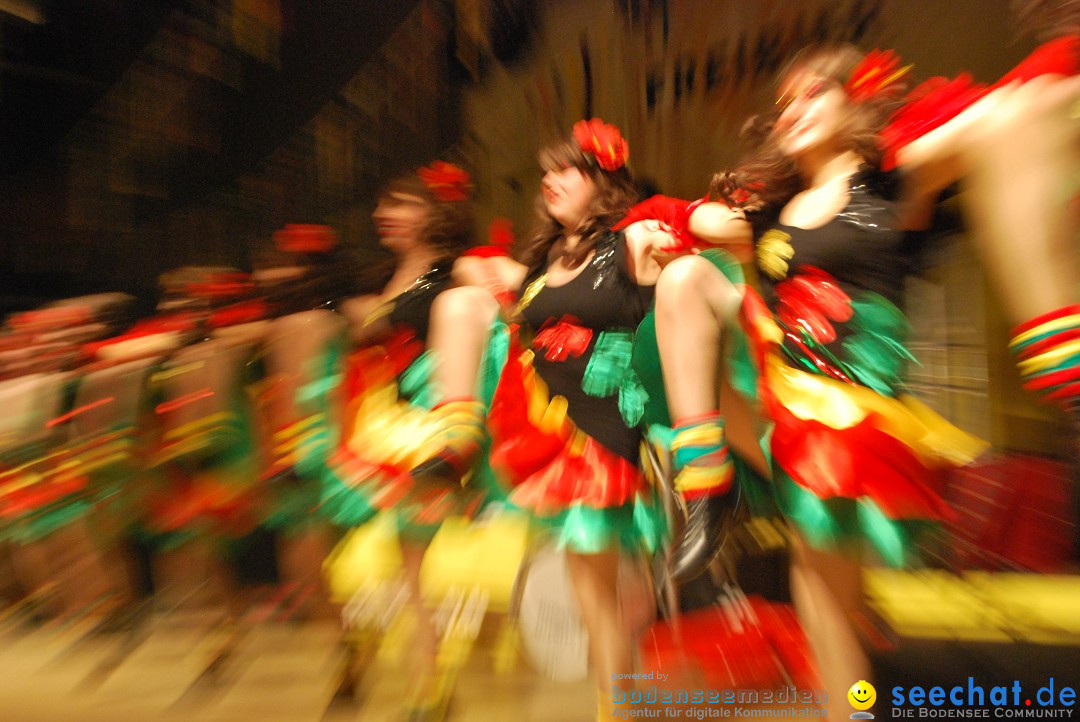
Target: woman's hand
(366, 324)
(501, 276)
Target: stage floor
(278, 671)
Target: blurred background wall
(142, 135)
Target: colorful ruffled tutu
(853, 456)
(589, 498)
(390, 430)
(854, 459)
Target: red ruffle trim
(938, 100)
(389, 487)
(859, 462)
(555, 465)
(930, 105)
(218, 506)
(1060, 56)
(673, 215)
(16, 504)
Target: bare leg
(693, 302)
(1023, 169)
(426, 643)
(461, 319)
(595, 577)
(827, 591)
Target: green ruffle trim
(43, 522)
(350, 506)
(874, 354)
(845, 524)
(609, 363)
(638, 526)
(645, 400)
(343, 505)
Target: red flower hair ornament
(603, 142)
(446, 181)
(305, 238)
(878, 73)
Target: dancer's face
(400, 219)
(814, 114)
(568, 194)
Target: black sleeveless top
(860, 247)
(858, 335)
(599, 305)
(412, 308)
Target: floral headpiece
(602, 142)
(446, 181)
(878, 74)
(305, 238)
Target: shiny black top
(860, 247)
(412, 308)
(568, 321)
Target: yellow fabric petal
(842, 406)
(1049, 359)
(1057, 324)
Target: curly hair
(449, 227)
(320, 278)
(615, 193)
(1047, 18)
(766, 176)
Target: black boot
(710, 520)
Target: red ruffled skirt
(591, 497)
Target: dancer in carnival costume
(558, 438)
(854, 459)
(1016, 145)
(386, 462)
(299, 281)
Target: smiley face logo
(862, 695)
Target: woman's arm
(365, 323)
(651, 243)
(945, 155)
(645, 241)
(936, 160)
(499, 275)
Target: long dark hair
(1047, 18)
(767, 177)
(449, 226)
(615, 194)
(324, 278)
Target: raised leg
(461, 320)
(693, 304)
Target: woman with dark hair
(853, 459)
(424, 219)
(557, 435)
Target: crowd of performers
(754, 335)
